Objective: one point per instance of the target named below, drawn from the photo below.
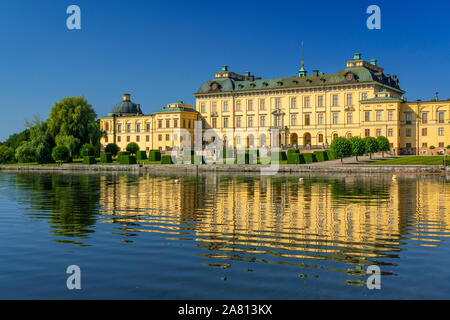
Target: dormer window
(309, 80)
(265, 84)
(240, 86)
(295, 81)
(252, 85)
(323, 79)
(280, 83)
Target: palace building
(306, 111)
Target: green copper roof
(380, 99)
(358, 74)
(174, 109)
(127, 107)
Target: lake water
(223, 237)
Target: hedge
(106, 157)
(278, 156)
(246, 158)
(141, 155)
(127, 159)
(309, 157)
(89, 160)
(154, 155)
(295, 158)
(321, 156)
(122, 153)
(330, 155)
(292, 151)
(166, 160)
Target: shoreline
(283, 168)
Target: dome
(127, 107)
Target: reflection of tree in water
(360, 190)
(72, 199)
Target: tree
(61, 154)
(25, 153)
(383, 144)
(74, 116)
(132, 147)
(42, 146)
(14, 141)
(371, 145)
(70, 142)
(358, 147)
(87, 150)
(341, 148)
(6, 154)
(112, 148)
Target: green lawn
(418, 160)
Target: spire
(302, 72)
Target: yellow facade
(306, 111)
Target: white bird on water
(301, 179)
(177, 181)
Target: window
(441, 116)
(262, 121)
(202, 107)
(278, 121)
(349, 117)
(262, 104)
(367, 116)
(441, 144)
(167, 137)
(225, 122)
(106, 139)
(119, 139)
(189, 124)
(277, 103)
(128, 139)
(408, 132)
(378, 115)
(364, 96)
(408, 145)
(335, 117)
(107, 126)
(168, 123)
(159, 124)
(250, 122)
(441, 132)
(378, 132)
(175, 123)
(390, 115)
(307, 120)
(320, 138)
(320, 101)
(238, 140)
(225, 106)
(138, 127)
(424, 145)
(214, 122)
(250, 105)
(424, 132)
(238, 105)
(390, 132)
(293, 103)
(306, 102)
(147, 127)
(214, 107)
(367, 133)
(335, 99)
(184, 123)
(293, 120)
(119, 127)
(175, 137)
(408, 117)
(320, 118)
(335, 136)
(349, 99)
(138, 138)
(238, 122)
(147, 138)
(128, 127)
(424, 117)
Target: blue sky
(162, 51)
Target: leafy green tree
(341, 148)
(14, 141)
(42, 146)
(6, 154)
(358, 147)
(132, 147)
(87, 150)
(74, 116)
(371, 145)
(61, 154)
(112, 148)
(25, 153)
(70, 142)
(383, 144)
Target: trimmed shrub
(295, 158)
(106, 157)
(342, 148)
(133, 147)
(127, 159)
(122, 153)
(291, 151)
(112, 148)
(61, 154)
(166, 160)
(321, 156)
(141, 155)
(309, 157)
(89, 160)
(330, 155)
(154, 155)
(87, 150)
(278, 156)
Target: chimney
(247, 73)
(224, 68)
(357, 56)
(316, 73)
(126, 97)
(373, 62)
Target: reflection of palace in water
(346, 219)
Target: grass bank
(413, 160)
